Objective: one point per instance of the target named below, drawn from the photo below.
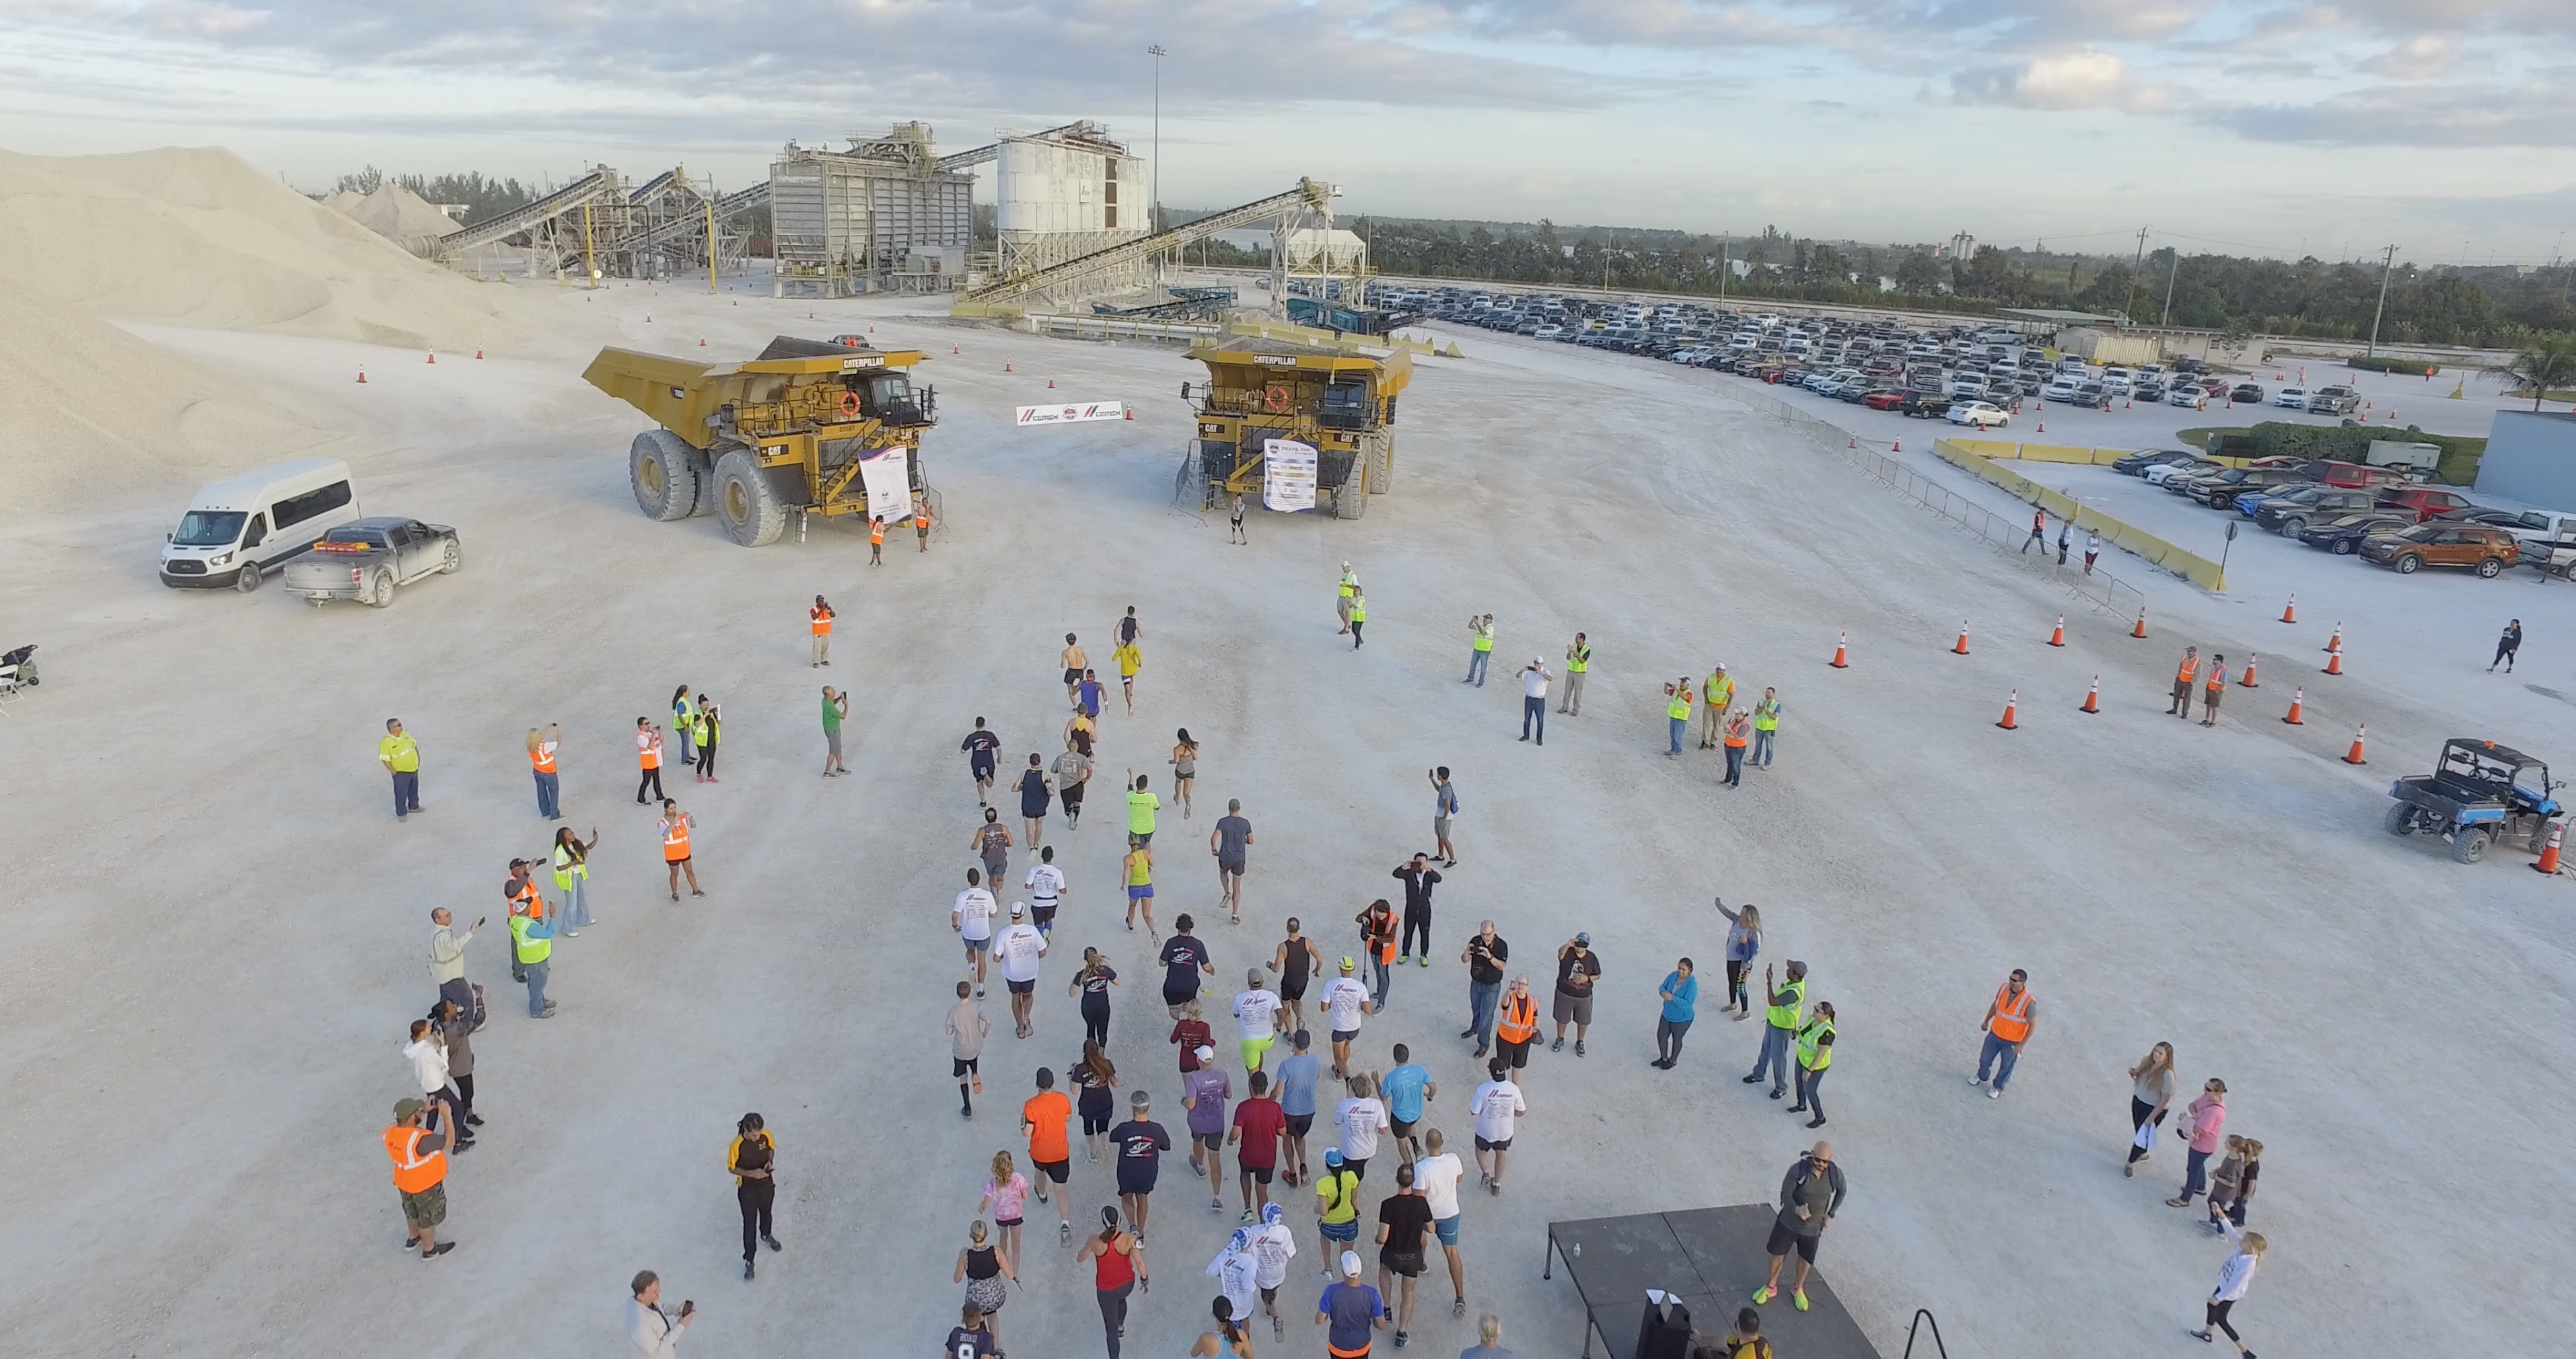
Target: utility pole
(2170, 277)
(2136, 262)
(1154, 181)
(2387, 267)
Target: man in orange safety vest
(2009, 1018)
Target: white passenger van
(244, 525)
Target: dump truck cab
(812, 427)
(1340, 404)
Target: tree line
(482, 197)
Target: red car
(1883, 401)
(2423, 501)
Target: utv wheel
(2468, 846)
(663, 469)
(746, 504)
(2400, 820)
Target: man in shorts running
(1498, 1106)
(1405, 1088)
(1141, 806)
(1043, 1118)
(1257, 1011)
(1019, 946)
(981, 749)
(1046, 890)
(1361, 1118)
(1232, 836)
(992, 841)
(1203, 1095)
(1140, 1144)
(1297, 1077)
(1437, 1176)
(1403, 1220)
(1074, 664)
(966, 1029)
(1346, 1002)
(1072, 770)
(1086, 696)
(1257, 1126)
(1183, 959)
(971, 915)
(1295, 961)
(1130, 660)
(1272, 1248)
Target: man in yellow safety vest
(1578, 663)
(1783, 1015)
(1677, 707)
(1815, 1054)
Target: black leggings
(1735, 973)
(1113, 1312)
(2218, 1320)
(706, 762)
(1095, 1023)
(1417, 920)
(2138, 1111)
(756, 1198)
(1668, 1038)
(652, 779)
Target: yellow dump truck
(1340, 404)
(810, 426)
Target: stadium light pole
(1154, 182)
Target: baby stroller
(17, 670)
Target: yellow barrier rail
(1972, 454)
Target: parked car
(2290, 513)
(2187, 396)
(365, 560)
(1884, 400)
(2220, 491)
(2334, 401)
(2550, 556)
(2165, 473)
(2488, 551)
(2247, 393)
(2148, 390)
(2291, 398)
(1924, 405)
(2425, 501)
(1979, 414)
(2503, 519)
(2062, 388)
(2342, 535)
(2136, 464)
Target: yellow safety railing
(1975, 456)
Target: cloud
(2539, 113)
(2085, 78)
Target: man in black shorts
(966, 1029)
(1577, 967)
(1516, 1027)
(1295, 961)
(1809, 1195)
(1401, 1222)
(1140, 1143)
(980, 747)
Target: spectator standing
(2010, 1017)
(753, 1158)
(1810, 1194)
(2092, 550)
(2065, 527)
(2151, 1092)
(1484, 956)
(836, 710)
(684, 725)
(2202, 1121)
(1766, 728)
(1480, 648)
(2184, 670)
(400, 755)
(447, 957)
(1743, 942)
(1815, 1053)
(532, 945)
(456, 1026)
(2213, 689)
(1346, 590)
(1359, 615)
(1785, 1005)
(542, 744)
(2232, 1183)
(677, 858)
(2507, 646)
(1680, 997)
(1738, 735)
(1677, 710)
(571, 859)
(427, 1053)
(820, 617)
(1534, 678)
(2038, 533)
(1577, 968)
(1578, 663)
(1378, 931)
(1419, 877)
(655, 1332)
(648, 760)
(420, 1174)
(1444, 809)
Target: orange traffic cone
(1130, 414)
(2298, 708)
(433, 356)
(478, 353)
(2141, 629)
(1897, 447)
(2290, 611)
(1842, 646)
(2334, 663)
(872, 330)
(1855, 442)
(2353, 756)
(702, 342)
(2043, 427)
(1050, 384)
(1962, 648)
(362, 375)
(1006, 365)
(2011, 706)
(2549, 852)
(2093, 697)
(2058, 638)
(2335, 643)
(2247, 681)
(952, 349)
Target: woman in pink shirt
(2201, 1123)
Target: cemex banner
(886, 475)
(1066, 415)
(1287, 475)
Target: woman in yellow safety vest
(708, 732)
(1766, 727)
(1815, 1054)
(1678, 708)
(1359, 615)
(572, 876)
(684, 723)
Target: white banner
(1070, 414)
(1287, 475)
(886, 475)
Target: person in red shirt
(1043, 1119)
(1258, 1124)
(1192, 1034)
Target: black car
(2136, 464)
(2343, 534)
(2246, 392)
(1924, 405)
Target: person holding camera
(654, 1331)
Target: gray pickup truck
(365, 560)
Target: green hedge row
(2385, 364)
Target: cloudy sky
(2446, 126)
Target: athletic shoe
(746, 1269)
(1247, 1216)
(1996, 1093)
(1775, 1094)
(1458, 1307)
(1799, 1300)
(1578, 1047)
(1558, 1045)
(2129, 1171)
(1278, 1329)
(1797, 1108)
(443, 1248)
(1401, 1337)
(1976, 1080)
(1216, 1205)
(1064, 1233)
(2203, 1337)
(1817, 1122)
(773, 1241)
(1198, 1170)
(1753, 1080)
(1424, 960)
(1764, 1294)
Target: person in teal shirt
(1405, 1088)
(1680, 995)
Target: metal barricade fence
(2098, 587)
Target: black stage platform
(1711, 1258)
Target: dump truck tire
(1349, 501)
(746, 504)
(663, 469)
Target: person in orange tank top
(2010, 1016)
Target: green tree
(2548, 365)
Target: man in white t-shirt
(1019, 946)
(1436, 1175)
(1534, 678)
(971, 915)
(1273, 1246)
(1046, 890)
(1498, 1106)
(1361, 1118)
(1257, 1009)
(1236, 1267)
(1345, 1000)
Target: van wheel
(2491, 568)
(2409, 564)
(663, 470)
(746, 504)
(246, 580)
(380, 591)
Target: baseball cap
(1018, 908)
(1583, 937)
(405, 1109)
(1332, 1156)
(1206, 1054)
(1348, 965)
(1350, 1264)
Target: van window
(296, 509)
(258, 530)
(208, 528)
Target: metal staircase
(1309, 194)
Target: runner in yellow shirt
(1140, 886)
(1130, 660)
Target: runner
(675, 827)
(1577, 968)
(1074, 662)
(1257, 1011)
(1337, 1207)
(1295, 961)
(1444, 809)
(1140, 1142)
(1129, 630)
(1403, 1218)
(1118, 1273)
(1257, 1126)
(1006, 1193)
(1353, 1308)
(966, 1029)
(993, 841)
(971, 916)
(1096, 1078)
(1130, 660)
(1516, 1030)
(1185, 768)
(1034, 798)
(1346, 1002)
(1019, 946)
(1043, 1119)
(1141, 806)
(1437, 1175)
(1232, 836)
(1045, 885)
(1361, 1118)
(1139, 877)
(987, 1274)
(1405, 1088)
(980, 746)
(1297, 1077)
(1203, 1094)
(1086, 698)
(1190, 1033)
(1236, 1270)
(1273, 1246)
(1498, 1106)
(1072, 771)
(1378, 929)
(1092, 983)
(1184, 958)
